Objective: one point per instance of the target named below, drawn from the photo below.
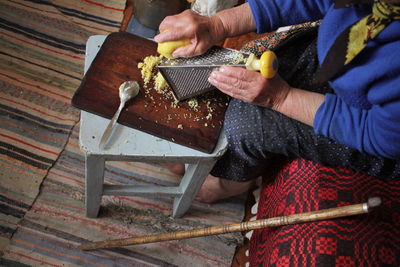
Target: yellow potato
(167, 48)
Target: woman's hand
(201, 31)
(250, 86)
(274, 93)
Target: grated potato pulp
(239, 58)
(148, 72)
(160, 84)
(147, 67)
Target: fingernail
(176, 55)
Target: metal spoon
(127, 90)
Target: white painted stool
(128, 144)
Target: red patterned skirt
(301, 186)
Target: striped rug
(56, 225)
(41, 59)
(42, 47)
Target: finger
(240, 73)
(230, 91)
(169, 35)
(169, 30)
(161, 37)
(185, 51)
(234, 80)
(167, 22)
(224, 84)
(189, 50)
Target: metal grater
(188, 77)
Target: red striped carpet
(42, 219)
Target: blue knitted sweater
(365, 111)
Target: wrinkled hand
(250, 86)
(201, 31)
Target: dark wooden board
(151, 112)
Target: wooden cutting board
(157, 114)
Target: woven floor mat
(41, 65)
(56, 225)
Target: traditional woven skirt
(259, 137)
(299, 186)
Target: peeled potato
(167, 48)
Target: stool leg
(94, 184)
(193, 179)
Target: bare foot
(215, 188)
(176, 168)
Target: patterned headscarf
(355, 38)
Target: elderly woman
(336, 100)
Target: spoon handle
(110, 127)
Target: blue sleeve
(375, 131)
(272, 14)
(365, 112)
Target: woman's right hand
(203, 32)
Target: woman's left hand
(250, 86)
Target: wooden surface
(150, 111)
(128, 12)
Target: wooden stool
(128, 144)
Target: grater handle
(267, 64)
